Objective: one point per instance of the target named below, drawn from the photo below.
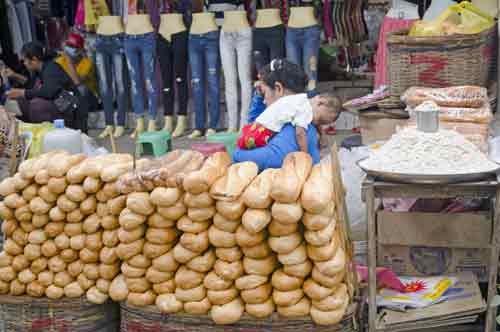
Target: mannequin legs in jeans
(236, 49)
(205, 69)
(302, 48)
(141, 51)
(109, 63)
(172, 56)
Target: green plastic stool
(154, 142)
(228, 139)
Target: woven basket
(149, 319)
(440, 61)
(27, 314)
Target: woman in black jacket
(37, 100)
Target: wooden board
(457, 230)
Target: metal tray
(428, 179)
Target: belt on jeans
(198, 35)
(144, 35)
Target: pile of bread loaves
(184, 233)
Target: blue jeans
(204, 59)
(141, 53)
(109, 62)
(302, 48)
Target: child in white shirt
(296, 109)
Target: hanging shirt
(94, 9)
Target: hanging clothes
(6, 44)
(94, 9)
(79, 20)
(388, 25)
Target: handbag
(66, 102)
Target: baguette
(213, 168)
(230, 187)
(292, 176)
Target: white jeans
(236, 51)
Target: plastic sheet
(458, 96)
(352, 177)
(167, 171)
(38, 132)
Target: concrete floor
(125, 144)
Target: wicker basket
(27, 314)
(437, 62)
(149, 319)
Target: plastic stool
(228, 139)
(160, 142)
(208, 149)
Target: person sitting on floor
(50, 81)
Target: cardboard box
(425, 244)
(378, 129)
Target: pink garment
(80, 15)
(389, 25)
(385, 278)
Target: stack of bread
(324, 286)
(148, 235)
(182, 233)
(287, 236)
(55, 234)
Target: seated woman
(80, 68)
(285, 79)
(50, 80)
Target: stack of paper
(463, 304)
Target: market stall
(181, 234)
(429, 162)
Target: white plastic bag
(353, 176)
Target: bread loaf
(294, 172)
(213, 168)
(318, 189)
(258, 194)
(231, 186)
(228, 313)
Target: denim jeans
(236, 53)
(268, 44)
(173, 58)
(205, 70)
(141, 52)
(302, 48)
(109, 62)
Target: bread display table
(150, 319)
(488, 189)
